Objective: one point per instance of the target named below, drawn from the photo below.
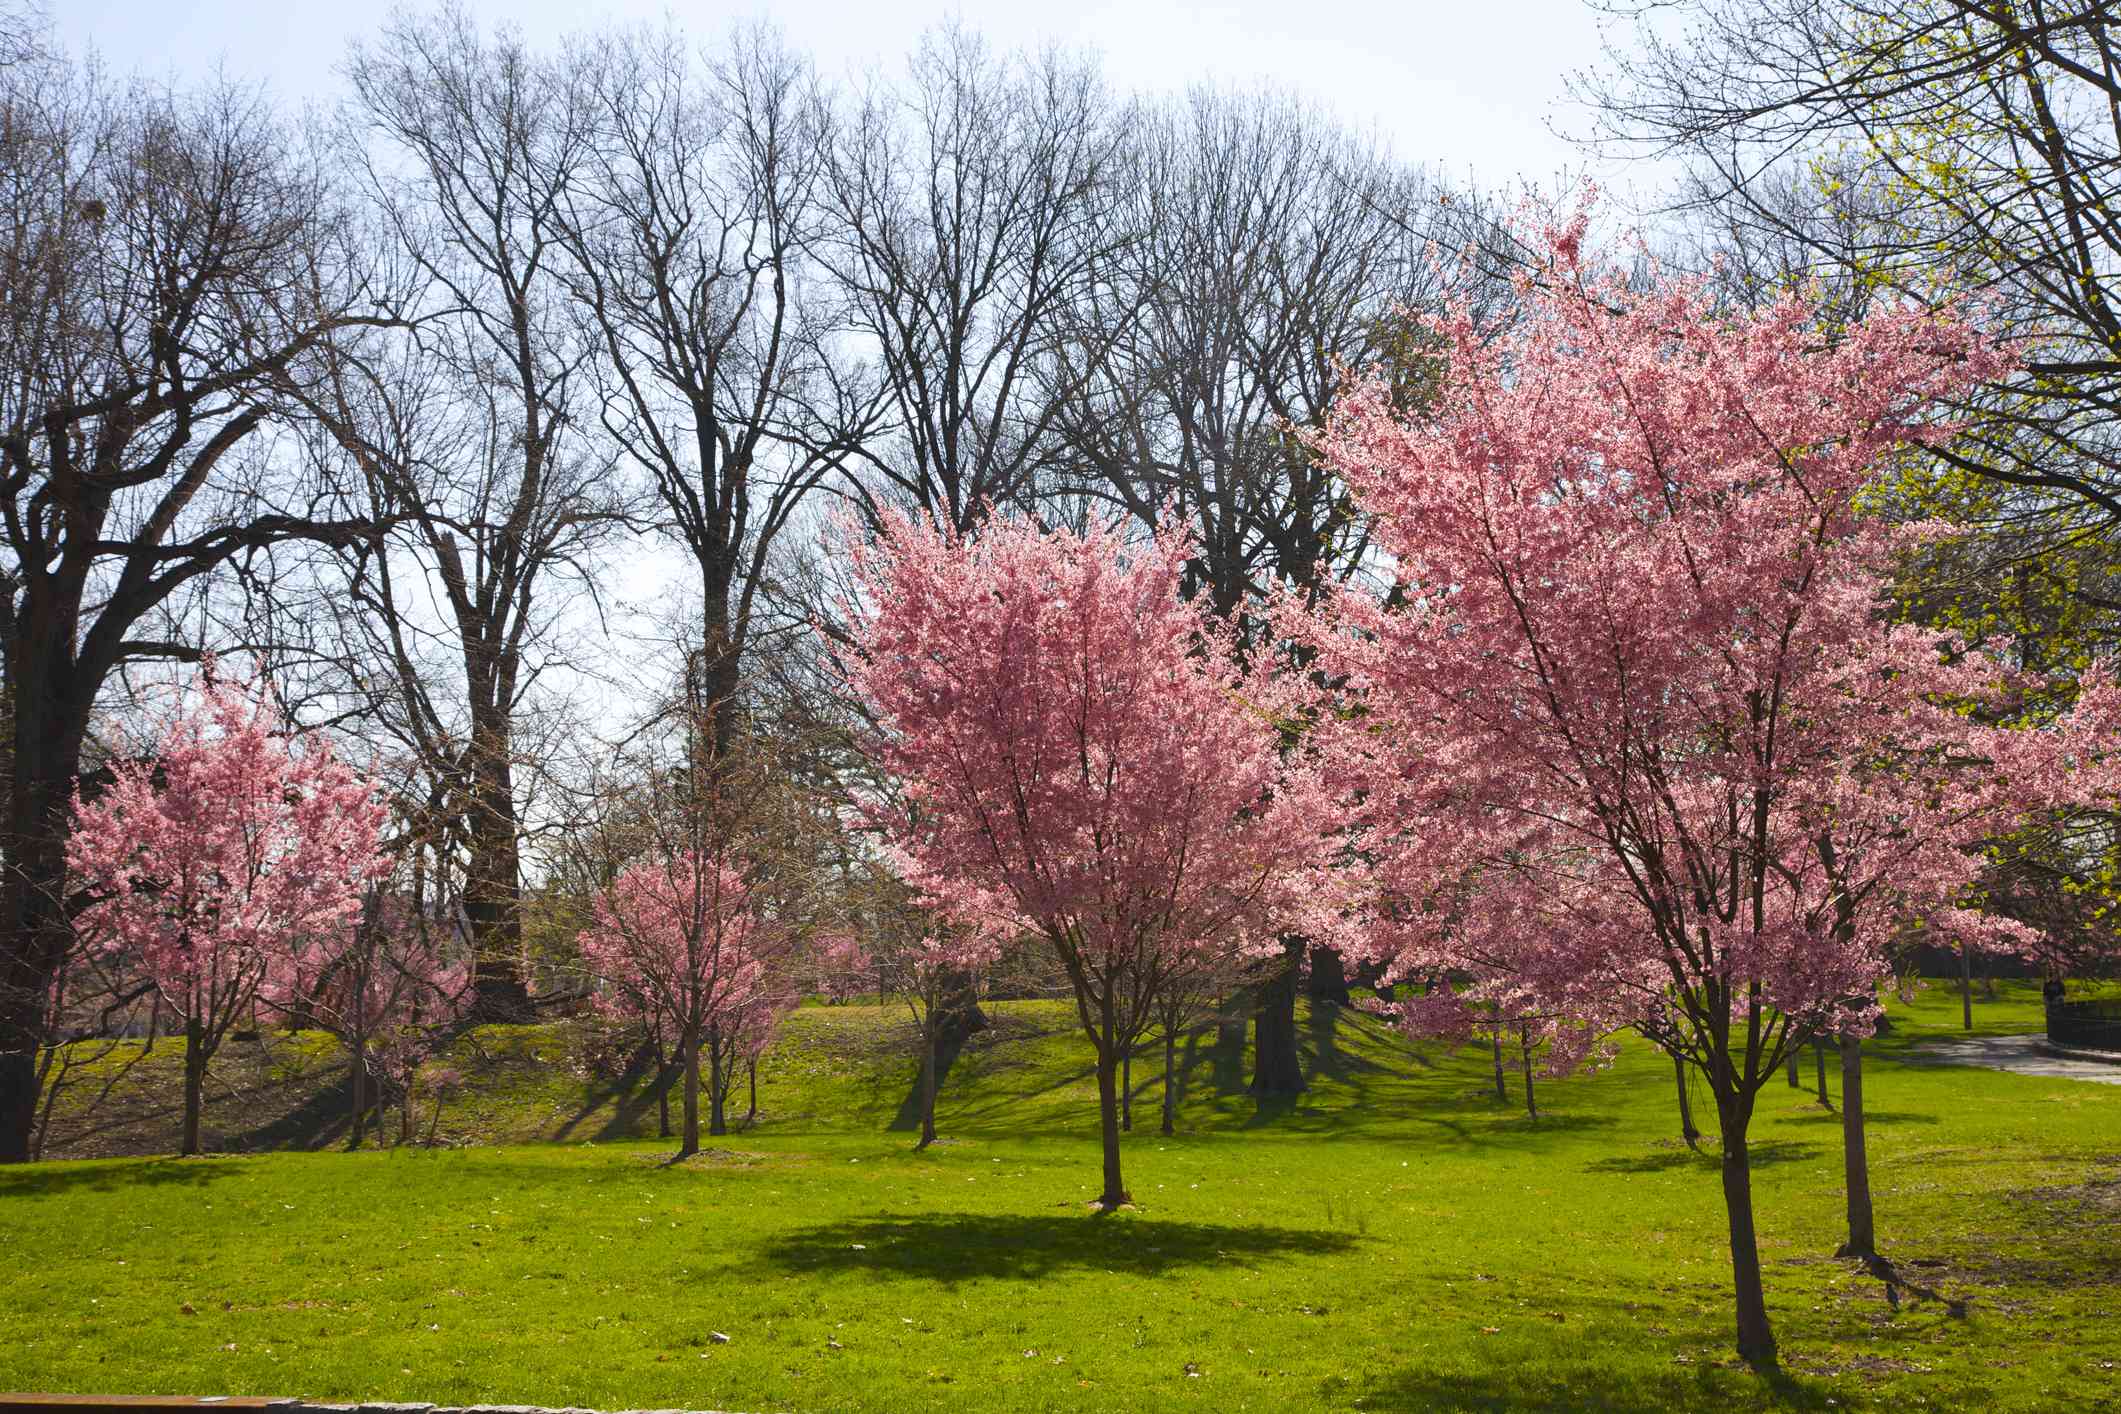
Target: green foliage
(1395, 1237)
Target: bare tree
(972, 206)
(473, 145)
(170, 271)
(693, 226)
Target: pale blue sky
(1474, 88)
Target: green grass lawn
(1395, 1240)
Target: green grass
(1394, 1240)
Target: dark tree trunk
(1126, 1090)
(1329, 978)
(1502, 1091)
(717, 1085)
(1170, 1073)
(929, 1028)
(1796, 1083)
(958, 1000)
(1687, 1130)
(751, 1078)
(405, 1116)
(689, 1140)
(1756, 1340)
(1524, 1049)
(1966, 988)
(1276, 1067)
(666, 1075)
(1108, 1123)
(194, 1083)
(359, 1080)
(1855, 1162)
(1819, 1068)
(43, 750)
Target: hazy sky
(1475, 88)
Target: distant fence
(2092, 1025)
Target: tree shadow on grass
(1818, 1116)
(35, 1180)
(1584, 1385)
(953, 1247)
(1776, 1151)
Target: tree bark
(751, 1079)
(194, 1083)
(1687, 1129)
(1855, 1161)
(928, 1039)
(1170, 1072)
(689, 1141)
(1795, 1082)
(1966, 988)
(1329, 977)
(1524, 1047)
(717, 1086)
(1756, 1340)
(359, 1082)
(1108, 1124)
(1819, 1067)
(1502, 1091)
(493, 870)
(1277, 1069)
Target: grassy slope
(1397, 1240)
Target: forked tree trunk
(1687, 1129)
(194, 1083)
(1855, 1161)
(1819, 1066)
(1756, 1340)
(1524, 1048)
(1170, 1070)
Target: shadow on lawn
(951, 1247)
(114, 1176)
(1775, 1151)
(1578, 1385)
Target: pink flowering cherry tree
(217, 852)
(1082, 758)
(687, 940)
(1635, 745)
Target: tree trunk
(1329, 977)
(957, 997)
(194, 1083)
(1170, 1072)
(1502, 1091)
(1756, 1341)
(405, 1115)
(1524, 1047)
(1126, 1091)
(751, 1078)
(689, 1141)
(1108, 1123)
(1276, 1067)
(1966, 988)
(1687, 1130)
(1819, 1065)
(1855, 1162)
(1795, 1082)
(666, 1075)
(717, 1085)
(929, 1029)
(359, 1079)
(493, 888)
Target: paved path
(2021, 1055)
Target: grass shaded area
(1395, 1239)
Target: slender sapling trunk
(1855, 1161)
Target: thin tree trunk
(1126, 1091)
(359, 1080)
(1966, 988)
(1524, 1048)
(405, 1115)
(194, 1083)
(1108, 1124)
(1502, 1090)
(751, 1078)
(1756, 1340)
(929, 1029)
(1170, 1070)
(689, 1142)
(1687, 1129)
(717, 1086)
(665, 1076)
(1819, 1065)
(1855, 1161)
(1795, 1046)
